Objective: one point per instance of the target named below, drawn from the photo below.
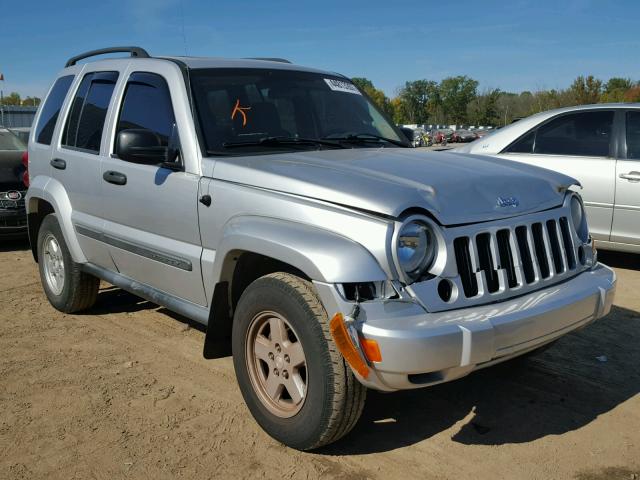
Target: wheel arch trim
(54, 193)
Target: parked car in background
(417, 136)
(13, 218)
(442, 135)
(597, 144)
(463, 136)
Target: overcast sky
(516, 45)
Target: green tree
(586, 90)
(414, 98)
(455, 94)
(483, 110)
(31, 101)
(615, 89)
(12, 99)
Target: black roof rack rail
(270, 59)
(134, 51)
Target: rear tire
(329, 398)
(67, 287)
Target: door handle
(58, 163)
(631, 176)
(116, 178)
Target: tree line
(14, 98)
(457, 100)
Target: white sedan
(597, 144)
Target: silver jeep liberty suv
(278, 206)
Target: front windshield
(243, 107)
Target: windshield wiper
(365, 137)
(278, 141)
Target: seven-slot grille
(510, 258)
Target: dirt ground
(123, 392)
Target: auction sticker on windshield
(341, 86)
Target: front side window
(147, 105)
(583, 134)
(51, 110)
(254, 108)
(633, 135)
(88, 112)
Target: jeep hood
(454, 188)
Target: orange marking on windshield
(240, 109)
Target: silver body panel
(333, 215)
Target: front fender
(53, 192)
(322, 255)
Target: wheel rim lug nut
(287, 359)
(276, 372)
(278, 349)
(270, 356)
(285, 374)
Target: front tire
(291, 375)
(67, 287)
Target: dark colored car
(463, 136)
(13, 181)
(417, 137)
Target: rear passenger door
(626, 215)
(581, 145)
(151, 218)
(76, 160)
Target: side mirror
(139, 145)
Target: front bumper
(420, 348)
(13, 222)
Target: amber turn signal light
(345, 345)
(371, 349)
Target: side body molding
(322, 255)
(53, 192)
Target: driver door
(151, 222)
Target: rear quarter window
(51, 110)
(85, 123)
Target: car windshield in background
(9, 141)
(262, 111)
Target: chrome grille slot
(541, 250)
(568, 244)
(506, 256)
(525, 254)
(465, 266)
(554, 242)
(485, 257)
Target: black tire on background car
(67, 287)
(291, 375)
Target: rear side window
(51, 110)
(524, 145)
(633, 135)
(582, 134)
(88, 111)
(147, 104)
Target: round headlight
(416, 248)
(579, 219)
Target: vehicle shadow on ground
(14, 244)
(628, 261)
(115, 300)
(583, 375)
